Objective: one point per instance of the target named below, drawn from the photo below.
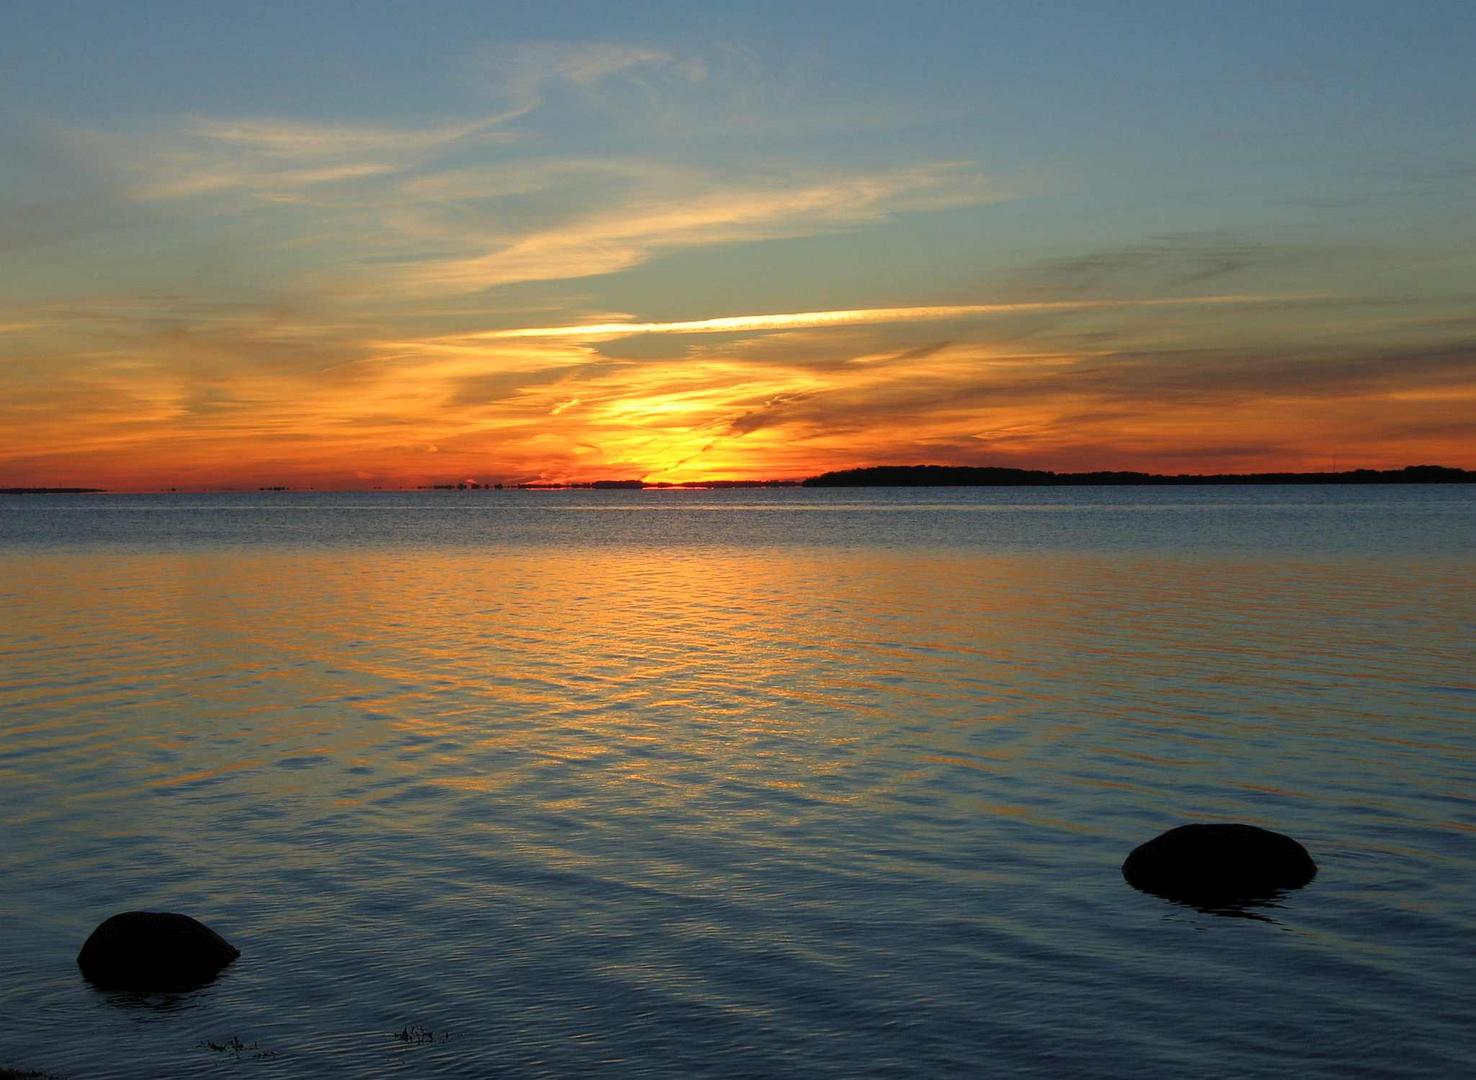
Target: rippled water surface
(739, 783)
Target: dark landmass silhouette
(924, 476)
(51, 491)
(996, 476)
(990, 476)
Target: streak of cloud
(855, 317)
(272, 155)
(696, 215)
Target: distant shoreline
(987, 476)
(52, 491)
(894, 476)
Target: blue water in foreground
(742, 783)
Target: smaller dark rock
(153, 950)
(1219, 866)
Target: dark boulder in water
(1215, 866)
(153, 950)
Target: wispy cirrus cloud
(701, 212)
(272, 155)
(522, 73)
(267, 158)
(457, 207)
(861, 316)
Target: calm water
(741, 783)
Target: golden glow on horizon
(798, 399)
(815, 391)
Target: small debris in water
(237, 1049)
(419, 1035)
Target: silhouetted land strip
(52, 491)
(935, 476)
(988, 476)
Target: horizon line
(628, 483)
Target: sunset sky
(381, 244)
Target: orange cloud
(517, 410)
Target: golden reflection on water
(680, 671)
